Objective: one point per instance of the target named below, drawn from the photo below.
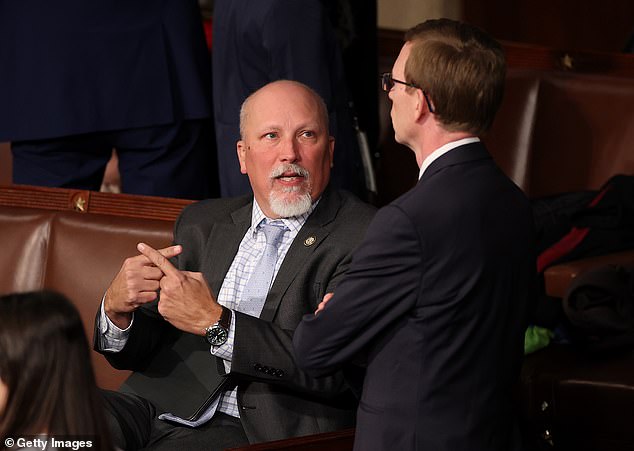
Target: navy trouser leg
(68, 162)
(176, 160)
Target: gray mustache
(289, 167)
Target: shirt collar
(293, 223)
(443, 150)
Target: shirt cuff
(112, 338)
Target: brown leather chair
(74, 242)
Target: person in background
(81, 78)
(259, 41)
(212, 356)
(437, 297)
(47, 385)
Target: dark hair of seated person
(45, 365)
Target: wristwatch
(217, 334)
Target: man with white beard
(212, 354)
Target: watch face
(217, 335)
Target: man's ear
(421, 106)
(241, 149)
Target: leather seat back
(75, 254)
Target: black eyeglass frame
(387, 83)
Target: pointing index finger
(158, 259)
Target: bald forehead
(282, 94)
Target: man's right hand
(324, 301)
(137, 283)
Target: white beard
(287, 208)
(291, 201)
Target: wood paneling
(81, 201)
(576, 24)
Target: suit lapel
(314, 231)
(222, 246)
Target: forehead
(399, 65)
(283, 106)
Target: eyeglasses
(387, 83)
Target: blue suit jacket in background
(259, 41)
(70, 66)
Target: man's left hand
(185, 301)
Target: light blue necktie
(257, 287)
(252, 301)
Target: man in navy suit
(437, 297)
(81, 78)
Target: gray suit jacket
(176, 371)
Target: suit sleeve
(146, 333)
(380, 288)
(263, 351)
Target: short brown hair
(461, 68)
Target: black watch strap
(218, 333)
(225, 317)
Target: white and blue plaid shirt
(249, 252)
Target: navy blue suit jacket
(256, 42)
(71, 66)
(436, 299)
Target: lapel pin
(310, 241)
